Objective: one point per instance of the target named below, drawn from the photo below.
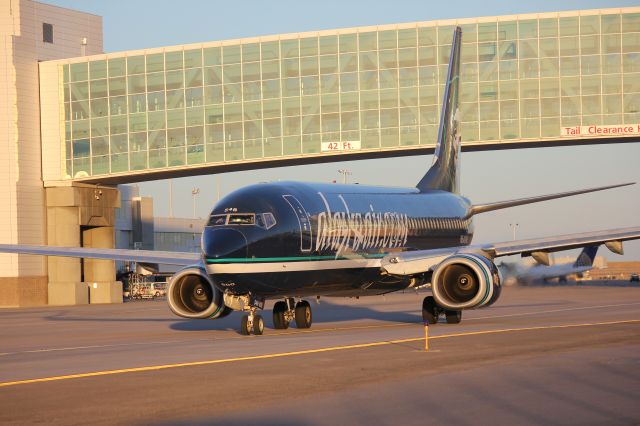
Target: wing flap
(144, 256)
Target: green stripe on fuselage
(291, 259)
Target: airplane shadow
(325, 312)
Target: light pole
(514, 226)
(344, 173)
(194, 192)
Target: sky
(486, 176)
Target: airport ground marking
(310, 331)
(306, 352)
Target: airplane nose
(224, 243)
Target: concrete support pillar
(82, 215)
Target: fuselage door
(303, 221)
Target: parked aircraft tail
(444, 172)
(586, 257)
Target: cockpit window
(242, 219)
(269, 220)
(217, 220)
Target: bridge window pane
(175, 137)
(530, 108)
(389, 117)
(589, 25)
(570, 86)
(570, 106)
(368, 61)
(429, 95)
(509, 70)
(549, 67)
(135, 65)
(489, 130)
(311, 143)
(591, 105)
(631, 42)
(289, 48)
(175, 118)
(487, 32)
(310, 85)
(116, 67)
(155, 81)
(389, 137)
(631, 83)
(212, 56)
(529, 88)
(507, 30)
(99, 107)
(253, 148)
(97, 69)
(193, 77)
(468, 111)
(569, 26)
(213, 95)
(408, 77)
(195, 116)
(549, 87)
(99, 88)
(631, 62)
(488, 111)
(591, 85)
(215, 152)
(81, 148)
(550, 107)
(528, 28)
(137, 103)
(349, 62)
(251, 91)
(369, 99)
(548, 47)
(175, 79)
(388, 59)
(253, 129)
(388, 98)
(272, 127)
(409, 135)
(118, 124)
(488, 71)
(328, 45)
(631, 104)
(291, 126)
(233, 151)
(81, 167)
(630, 22)
(155, 62)
(213, 75)
(119, 144)
(195, 154)
(173, 60)
(548, 27)
(590, 45)
(138, 160)
(157, 158)
(137, 122)
(176, 157)
(232, 92)
(309, 46)
(138, 141)
(368, 80)
(347, 43)
(612, 104)
(193, 58)
(349, 101)
(530, 128)
(368, 41)
(309, 65)
(233, 131)
(529, 68)
(610, 23)
(550, 127)
(272, 147)
(388, 79)
(195, 135)
(193, 97)
(331, 122)
(136, 84)
(427, 36)
(175, 99)
(292, 145)
(370, 138)
(310, 124)
(117, 86)
(156, 120)
(100, 126)
(215, 133)
(79, 91)
(100, 165)
(213, 114)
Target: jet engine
(465, 281)
(192, 294)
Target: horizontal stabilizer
(482, 208)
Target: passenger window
(217, 220)
(242, 219)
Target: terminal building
(79, 121)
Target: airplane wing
(143, 256)
(415, 262)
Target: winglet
(444, 173)
(482, 208)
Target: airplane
(517, 273)
(287, 241)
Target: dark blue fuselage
(300, 239)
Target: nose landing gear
(252, 323)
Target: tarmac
(540, 355)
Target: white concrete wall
(22, 206)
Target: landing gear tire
(453, 317)
(258, 325)
(244, 325)
(303, 314)
(279, 319)
(430, 310)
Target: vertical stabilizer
(444, 172)
(586, 257)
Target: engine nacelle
(192, 294)
(465, 281)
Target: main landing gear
(287, 310)
(431, 311)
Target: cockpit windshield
(262, 220)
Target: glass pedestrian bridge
(348, 93)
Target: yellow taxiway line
(304, 352)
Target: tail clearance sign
(609, 130)
(340, 146)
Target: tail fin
(586, 257)
(444, 174)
